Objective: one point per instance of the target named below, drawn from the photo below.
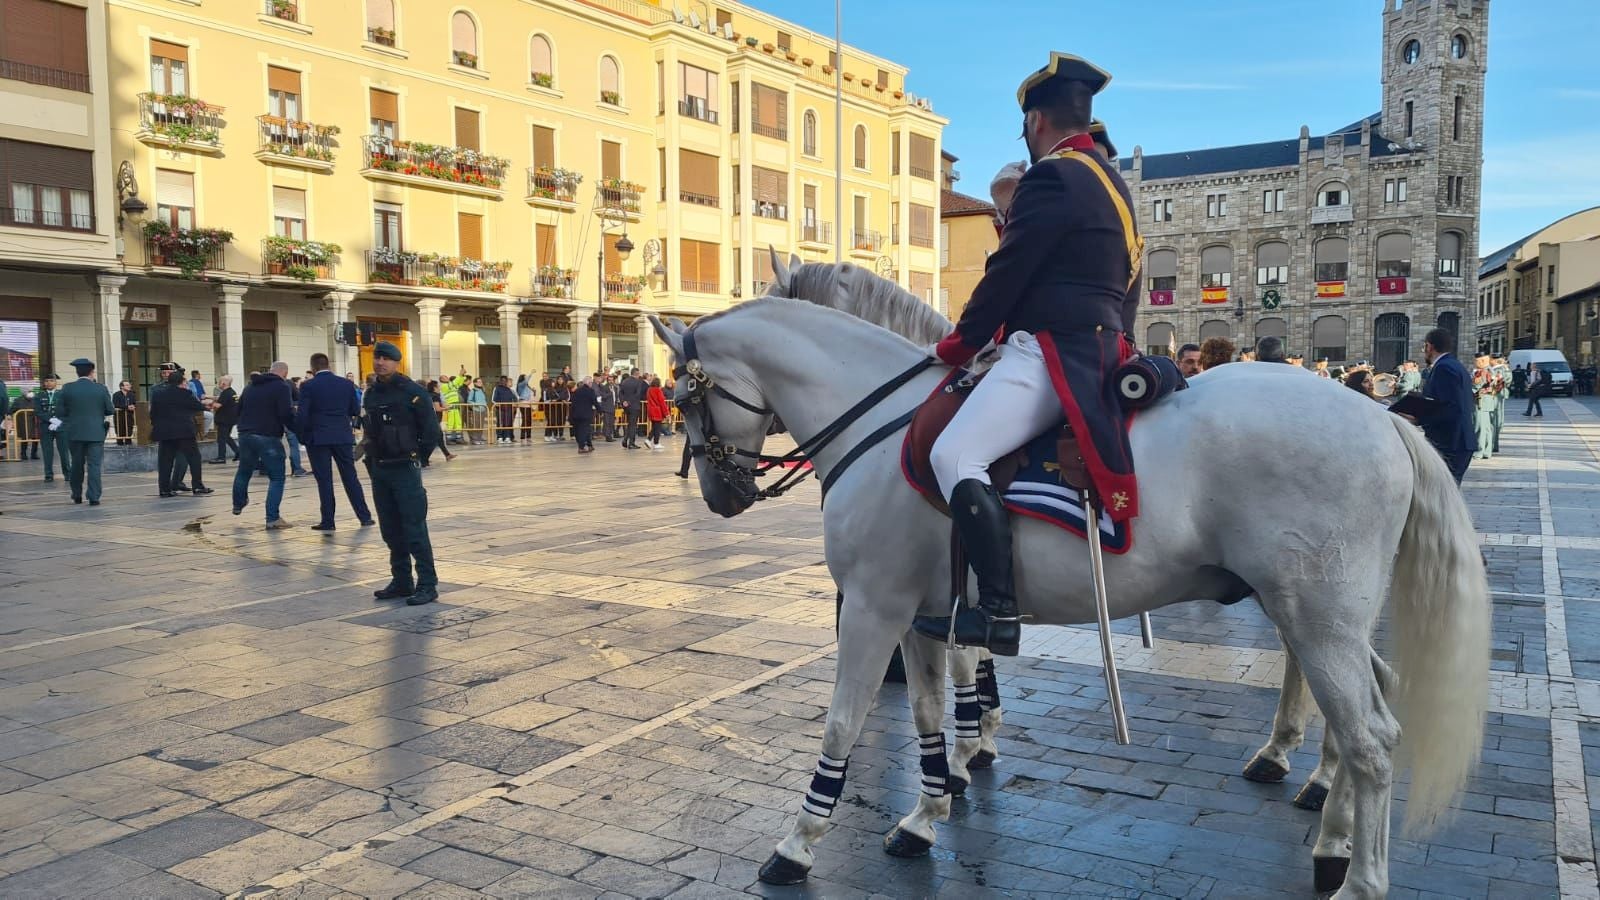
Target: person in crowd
(1486, 399)
(24, 428)
(631, 393)
(45, 413)
(172, 411)
(657, 408)
(1502, 373)
(225, 411)
(1410, 378)
(125, 406)
(477, 423)
(585, 405)
(295, 467)
(1215, 351)
(327, 407)
(1537, 386)
(197, 385)
(1270, 349)
(454, 406)
(561, 394)
(1322, 368)
(505, 411)
(1189, 360)
(84, 406)
(606, 389)
(1360, 381)
(1449, 425)
(266, 413)
(1519, 381)
(399, 425)
(525, 401)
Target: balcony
(697, 108)
(616, 198)
(623, 288)
(1328, 215)
(47, 76)
(691, 286)
(552, 282)
(776, 132)
(920, 172)
(290, 142)
(766, 209)
(191, 251)
(283, 257)
(180, 122)
(695, 199)
(866, 242)
(430, 270)
(1453, 285)
(819, 234)
(435, 166)
(553, 188)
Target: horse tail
(1440, 598)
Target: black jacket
(266, 407)
(399, 392)
(631, 392)
(172, 409)
(227, 411)
(119, 400)
(584, 403)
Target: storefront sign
(144, 314)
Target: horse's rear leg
(925, 660)
(1271, 763)
(865, 644)
(969, 716)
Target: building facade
(458, 178)
(966, 238)
(1348, 245)
(1520, 285)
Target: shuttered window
(289, 213)
(894, 153)
(385, 112)
(467, 128)
(861, 146)
(921, 225)
(544, 245)
(699, 263)
(771, 185)
(613, 259)
(697, 177)
(380, 14)
(169, 68)
(386, 226)
(922, 285)
(1161, 270)
(175, 198)
(610, 159)
(769, 112)
(922, 157)
(286, 80)
(764, 273)
(44, 43)
(544, 146)
(46, 186)
(469, 228)
(283, 93)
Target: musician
(1503, 373)
(1486, 387)
(1061, 287)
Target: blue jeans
(294, 454)
(258, 449)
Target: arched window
(1216, 267)
(1394, 255)
(1411, 52)
(541, 61)
(1391, 339)
(1450, 321)
(861, 146)
(1159, 339)
(1328, 339)
(1332, 255)
(1450, 254)
(610, 81)
(380, 22)
(808, 133)
(464, 40)
(1458, 47)
(1272, 263)
(1273, 327)
(1215, 328)
(1334, 193)
(1161, 270)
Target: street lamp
(624, 248)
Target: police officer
(400, 427)
(83, 407)
(47, 415)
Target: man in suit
(631, 395)
(82, 408)
(606, 389)
(47, 413)
(327, 406)
(1537, 385)
(1450, 426)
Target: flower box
(284, 9)
(542, 79)
(827, 69)
(768, 47)
(381, 36)
(468, 60)
(611, 98)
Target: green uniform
(46, 406)
(1488, 403)
(1498, 418)
(400, 427)
(82, 407)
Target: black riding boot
(985, 529)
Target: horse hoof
(904, 844)
(1328, 873)
(983, 759)
(957, 786)
(781, 870)
(1264, 771)
(1311, 797)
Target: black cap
(1065, 67)
(83, 366)
(386, 350)
(51, 377)
(1097, 130)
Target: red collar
(1075, 142)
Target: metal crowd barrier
(466, 425)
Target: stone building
(1349, 245)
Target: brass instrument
(1384, 385)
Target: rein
(699, 386)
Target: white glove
(55, 424)
(931, 351)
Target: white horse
(1235, 434)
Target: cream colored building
(966, 238)
(476, 165)
(1519, 284)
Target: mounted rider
(1063, 289)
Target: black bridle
(698, 387)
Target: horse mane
(868, 296)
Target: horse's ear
(668, 336)
(794, 261)
(780, 271)
(676, 324)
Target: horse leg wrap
(826, 786)
(935, 766)
(988, 687)
(968, 711)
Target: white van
(1551, 363)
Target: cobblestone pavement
(622, 695)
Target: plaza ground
(620, 694)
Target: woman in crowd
(124, 404)
(227, 416)
(525, 400)
(655, 404)
(505, 411)
(1215, 351)
(1360, 381)
(477, 424)
(172, 410)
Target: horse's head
(727, 417)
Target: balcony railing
(616, 195)
(177, 119)
(766, 209)
(1451, 284)
(456, 165)
(920, 172)
(435, 271)
(778, 132)
(699, 199)
(194, 252)
(623, 288)
(698, 287)
(552, 282)
(287, 10)
(758, 288)
(44, 75)
(697, 108)
(554, 185)
(814, 232)
(921, 240)
(293, 138)
(866, 241)
(1324, 215)
(302, 260)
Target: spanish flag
(1214, 295)
(1330, 289)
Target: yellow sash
(1130, 232)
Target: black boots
(985, 529)
(394, 590)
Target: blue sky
(1191, 74)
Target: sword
(1147, 634)
(1097, 571)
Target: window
(734, 105)
(46, 186)
(944, 245)
(861, 223)
(1332, 259)
(1215, 328)
(1272, 263)
(1394, 190)
(1334, 193)
(1411, 52)
(894, 153)
(169, 68)
(545, 246)
(1411, 119)
(463, 40)
(1272, 327)
(784, 41)
(384, 109)
(1450, 321)
(921, 225)
(1272, 201)
(1549, 326)
(541, 62)
(1159, 339)
(175, 198)
(467, 128)
(699, 266)
(289, 213)
(1161, 210)
(1550, 280)
(1216, 267)
(810, 230)
(610, 81)
(922, 157)
(380, 22)
(883, 79)
(386, 226)
(44, 43)
(1328, 336)
(613, 259)
(544, 146)
(1454, 189)
(769, 112)
(283, 93)
(808, 133)
(833, 59)
(724, 18)
(697, 93)
(1450, 254)
(1161, 270)
(1455, 120)
(697, 178)
(861, 146)
(610, 159)
(1394, 256)
(769, 195)
(469, 235)
(1458, 47)
(1391, 343)
(1216, 206)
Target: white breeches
(1008, 408)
